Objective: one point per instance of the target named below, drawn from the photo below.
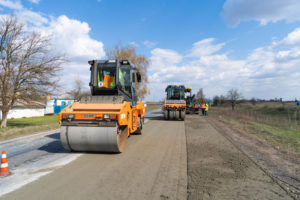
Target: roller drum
(177, 115)
(166, 114)
(172, 115)
(94, 139)
(182, 115)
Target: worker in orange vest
(108, 80)
(202, 107)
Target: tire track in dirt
(280, 168)
(218, 170)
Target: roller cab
(192, 105)
(175, 105)
(103, 121)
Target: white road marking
(30, 173)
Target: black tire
(166, 114)
(182, 115)
(177, 115)
(139, 130)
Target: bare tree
(78, 90)
(200, 95)
(27, 67)
(233, 96)
(140, 61)
(222, 99)
(216, 100)
(253, 101)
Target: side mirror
(139, 77)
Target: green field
(276, 124)
(24, 126)
(153, 107)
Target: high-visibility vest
(108, 81)
(206, 107)
(202, 105)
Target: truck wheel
(182, 115)
(139, 130)
(177, 117)
(166, 114)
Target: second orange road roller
(175, 104)
(103, 121)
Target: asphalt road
(171, 160)
(152, 167)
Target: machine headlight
(71, 116)
(106, 116)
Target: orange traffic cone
(4, 171)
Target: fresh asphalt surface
(152, 167)
(37, 147)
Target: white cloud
(70, 37)
(14, 5)
(266, 11)
(32, 18)
(149, 44)
(205, 47)
(134, 44)
(163, 58)
(267, 72)
(291, 39)
(28, 17)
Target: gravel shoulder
(219, 170)
(279, 166)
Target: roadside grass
(25, 126)
(275, 125)
(153, 107)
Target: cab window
(124, 79)
(106, 76)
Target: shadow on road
(158, 117)
(54, 136)
(53, 147)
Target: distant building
(54, 106)
(25, 109)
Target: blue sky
(251, 45)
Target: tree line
(233, 97)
